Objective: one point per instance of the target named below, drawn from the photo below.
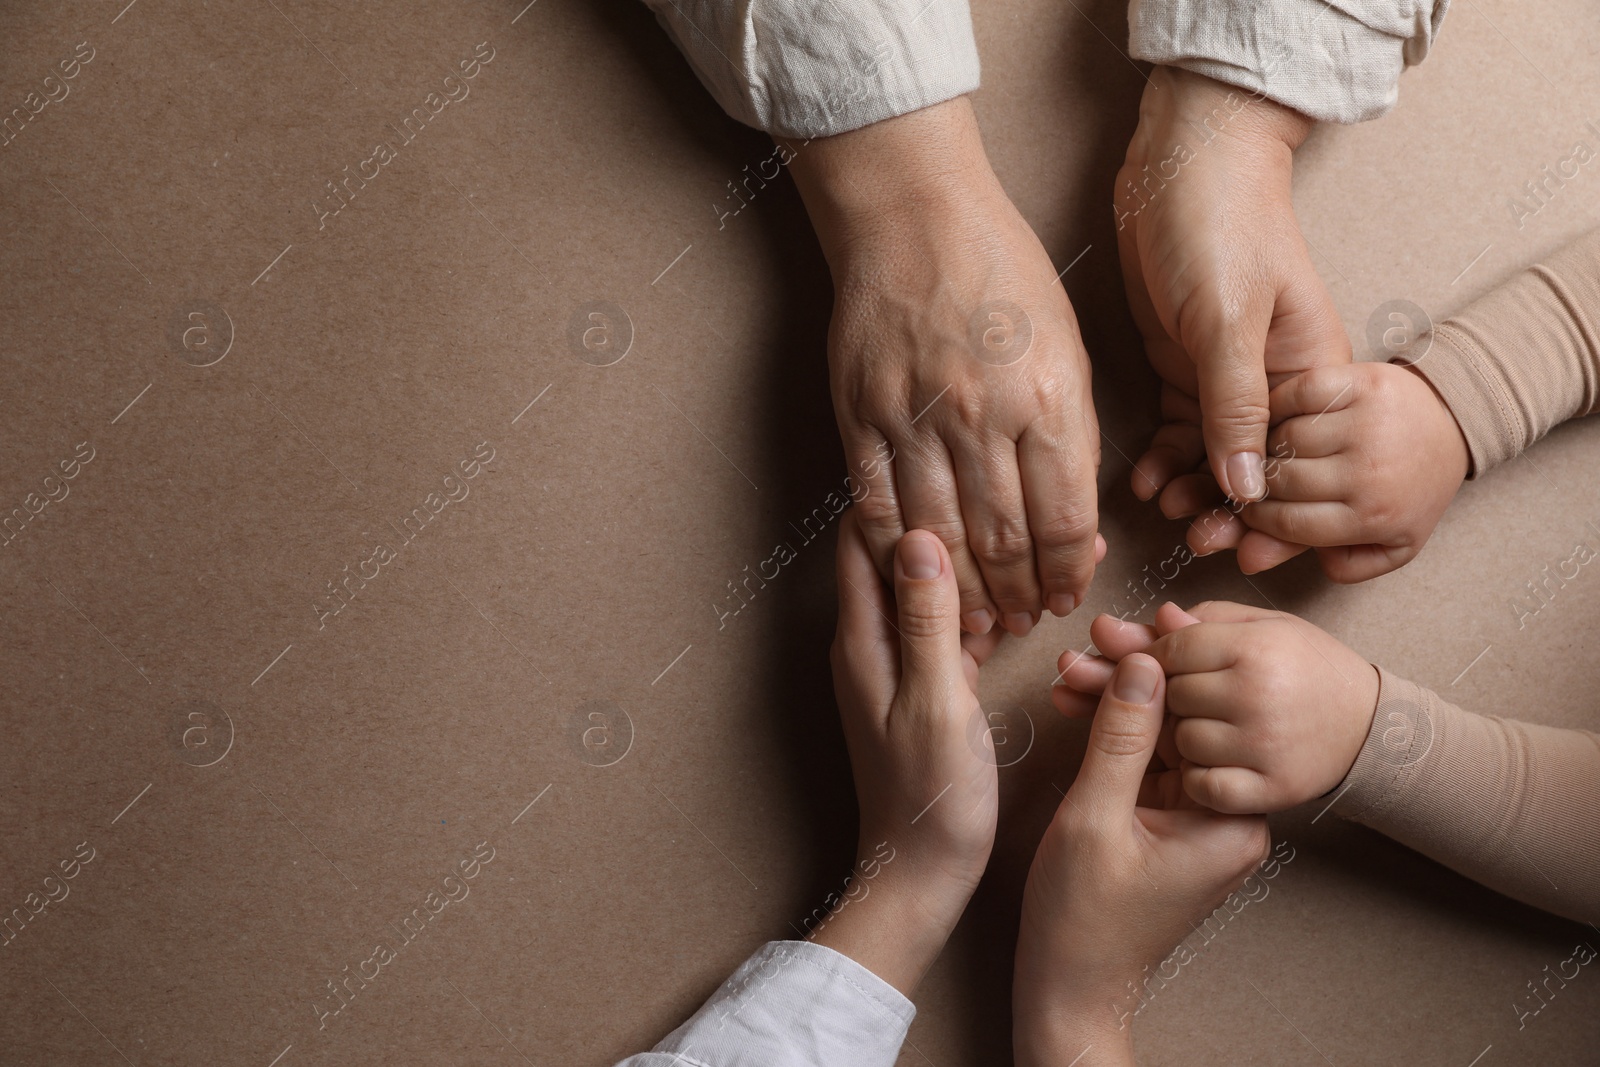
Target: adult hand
(920, 751)
(959, 378)
(1123, 869)
(1219, 279)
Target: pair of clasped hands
(1273, 440)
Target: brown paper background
(370, 755)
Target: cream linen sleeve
(1335, 61)
(812, 68)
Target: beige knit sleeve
(1510, 804)
(1523, 358)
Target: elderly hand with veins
(954, 350)
(1220, 282)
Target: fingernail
(919, 558)
(1062, 604)
(977, 622)
(1135, 682)
(1018, 623)
(1245, 476)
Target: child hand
(1366, 458)
(907, 682)
(1120, 874)
(1267, 710)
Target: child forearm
(1524, 358)
(1513, 805)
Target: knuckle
(926, 617)
(954, 535)
(1006, 543)
(1069, 528)
(1239, 416)
(1119, 733)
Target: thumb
(929, 605)
(1122, 739)
(1230, 357)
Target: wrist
(893, 178)
(1185, 116)
(1061, 1035)
(1460, 452)
(895, 925)
(1220, 108)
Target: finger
(1073, 704)
(1259, 552)
(1099, 548)
(1190, 494)
(1210, 646)
(1349, 564)
(928, 611)
(1230, 790)
(1167, 743)
(1175, 449)
(1211, 742)
(927, 485)
(975, 652)
(981, 646)
(1121, 741)
(866, 646)
(1170, 617)
(996, 520)
(1315, 392)
(1304, 479)
(1312, 522)
(1310, 436)
(878, 511)
(1228, 345)
(1215, 531)
(1164, 790)
(1116, 638)
(1230, 611)
(1059, 490)
(1087, 673)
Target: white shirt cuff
(792, 1004)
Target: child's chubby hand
(1265, 711)
(1363, 460)
(1123, 871)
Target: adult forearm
(893, 179)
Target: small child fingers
(1212, 743)
(1348, 564)
(1086, 672)
(1316, 392)
(1214, 531)
(1174, 450)
(1315, 522)
(1230, 790)
(1261, 552)
(1309, 437)
(1304, 478)
(1190, 494)
(1072, 703)
(1116, 637)
(1164, 790)
(1199, 649)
